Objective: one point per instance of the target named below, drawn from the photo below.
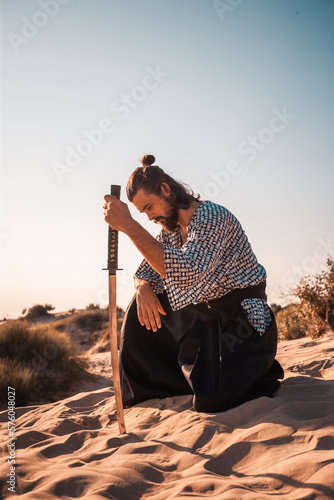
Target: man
(199, 322)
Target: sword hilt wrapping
(115, 190)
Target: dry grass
(38, 361)
(86, 320)
(291, 323)
(294, 321)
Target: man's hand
(117, 214)
(149, 307)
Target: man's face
(157, 208)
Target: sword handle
(112, 265)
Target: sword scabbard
(115, 190)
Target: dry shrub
(38, 310)
(89, 320)
(21, 378)
(38, 361)
(292, 322)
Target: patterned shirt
(215, 259)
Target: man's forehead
(142, 198)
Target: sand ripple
(280, 447)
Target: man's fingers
(149, 314)
(157, 318)
(149, 319)
(109, 198)
(146, 322)
(144, 319)
(161, 309)
(152, 321)
(140, 316)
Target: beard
(169, 222)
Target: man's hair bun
(147, 160)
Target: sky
(232, 97)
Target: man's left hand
(116, 213)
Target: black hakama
(211, 352)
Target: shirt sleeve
(146, 272)
(201, 253)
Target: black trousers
(213, 353)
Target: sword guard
(107, 269)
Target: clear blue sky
(234, 98)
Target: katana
(112, 268)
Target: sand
(279, 447)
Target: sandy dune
(268, 448)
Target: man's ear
(165, 189)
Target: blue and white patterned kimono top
(216, 259)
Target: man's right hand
(149, 307)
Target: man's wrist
(140, 283)
(131, 227)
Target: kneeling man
(199, 322)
